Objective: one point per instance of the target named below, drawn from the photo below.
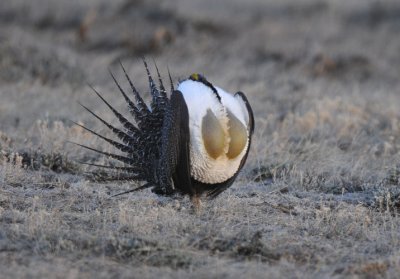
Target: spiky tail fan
(141, 141)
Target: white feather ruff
(199, 98)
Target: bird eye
(238, 134)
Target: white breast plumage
(219, 135)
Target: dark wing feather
(249, 111)
(174, 159)
(181, 177)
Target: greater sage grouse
(193, 142)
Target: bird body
(194, 141)
(210, 120)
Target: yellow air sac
(238, 134)
(213, 135)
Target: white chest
(229, 122)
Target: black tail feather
(147, 185)
(107, 177)
(132, 107)
(162, 90)
(170, 80)
(153, 89)
(143, 109)
(118, 145)
(128, 169)
(156, 97)
(128, 125)
(139, 141)
(123, 159)
(125, 138)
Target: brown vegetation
(319, 196)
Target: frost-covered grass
(319, 196)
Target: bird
(193, 141)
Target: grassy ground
(319, 196)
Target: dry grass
(318, 198)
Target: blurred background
(317, 72)
(261, 46)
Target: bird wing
(220, 187)
(174, 163)
(242, 98)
